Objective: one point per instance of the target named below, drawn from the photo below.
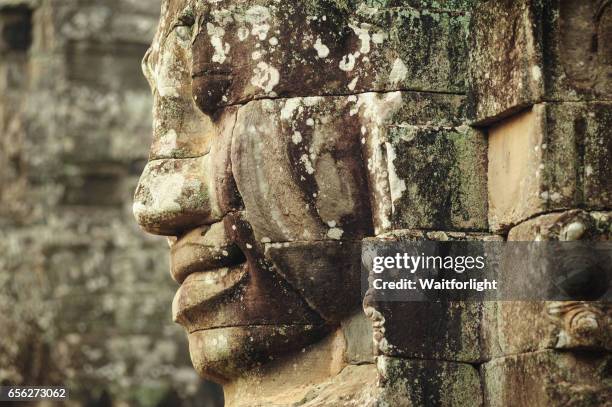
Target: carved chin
(223, 354)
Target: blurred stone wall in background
(85, 296)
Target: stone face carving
(286, 133)
(270, 161)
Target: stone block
(423, 172)
(437, 177)
(320, 270)
(413, 382)
(571, 225)
(337, 49)
(299, 169)
(548, 378)
(513, 327)
(394, 112)
(537, 51)
(428, 330)
(550, 157)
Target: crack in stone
(337, 95)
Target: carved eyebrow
(186, 18)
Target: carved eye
(183, 32)
(184, 27)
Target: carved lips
(208, 266)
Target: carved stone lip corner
(205, 248)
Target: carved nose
(175, 195)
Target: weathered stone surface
(353, 386)
(298, 168)
(513, 327)
(424, 172)
(538, 51)
(405, 329)
(548, 378)
(227, 352)
(317, 375)
(413, 382)
(437, 177)
(550, 157)
(320, 271)
(161, 209)
(240, 54)
(203, 248)
(565, 226)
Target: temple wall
(529, 160)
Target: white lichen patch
(335, 233)
(305, 160)
(165, 191)
(573, 231)
(322, 50)
(398, 73)
(265, 77)
(397, 185)
(290, 107)
(260, 31)
(297, 137)
(536, 73)
(167, 78)
(242, 33)
(364, 36)
(258, 16)
(223, 17)
(353, 84)
(379, 37)
(167, 143)
(347, 63)
(216, 34)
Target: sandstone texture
(549, 158)
(514, 327)
(547, 378)
(530, 51)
